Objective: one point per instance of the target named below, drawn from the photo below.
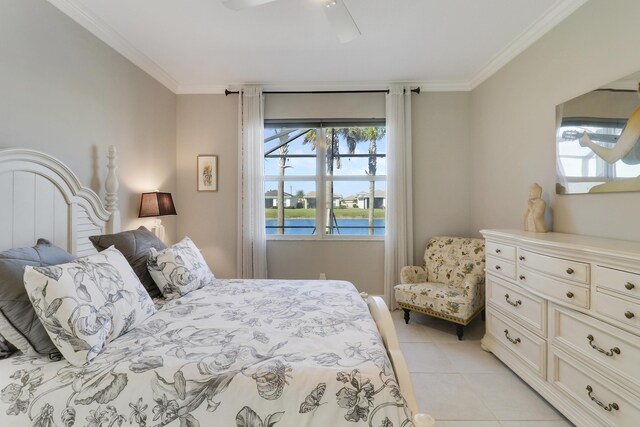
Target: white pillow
(87, 303)
(179, 269)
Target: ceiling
(200, 46)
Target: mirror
(597, 140)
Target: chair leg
(406, 315)
(483, 315)
(459, 332)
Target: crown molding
(556, 14)
(108, 35)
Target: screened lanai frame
(298, 129)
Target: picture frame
(207, 172)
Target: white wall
(207, 124)
(513, 122)
(64, 92)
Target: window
(582, 168)
(325, 179)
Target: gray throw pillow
(135, 246)
(19, 323)
(6, 348)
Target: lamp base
(158, 229)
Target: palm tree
(373, 135)
(333, 153)
(353, 136)
(283, 150)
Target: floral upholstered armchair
(450, 284)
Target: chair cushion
(449, 259)
(446, 299)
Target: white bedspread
(247, 353)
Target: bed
(248, 353)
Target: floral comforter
(245, 353)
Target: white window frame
(321, 178)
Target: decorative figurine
(534, 215)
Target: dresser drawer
(621, 281)
(529, 309)
(608, 402)
(529, 347)
(501, 250)
(549, 287)
(501, 267)
(621, 309)
(559, 267)
(603, 344)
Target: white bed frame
(41, 197)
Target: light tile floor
(461, 385)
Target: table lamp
(156, 204)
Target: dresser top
(624, 248)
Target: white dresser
(563, 312)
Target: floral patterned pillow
(179, 269)
(88, 302)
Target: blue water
(307, 227)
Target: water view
(344, 227)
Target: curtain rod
(316, 92)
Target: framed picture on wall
(207, 172)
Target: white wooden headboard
(41, 197)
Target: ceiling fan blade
(341, 19)
(244, 4)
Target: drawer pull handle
(569, 294)
(629, 286)
(515, 304)
(608, 408)
(506, 334)
(498, 251)
(522, 277)
(614, 350)
(569, 270)
(498, 267)
(629, 315)
(521, 258)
